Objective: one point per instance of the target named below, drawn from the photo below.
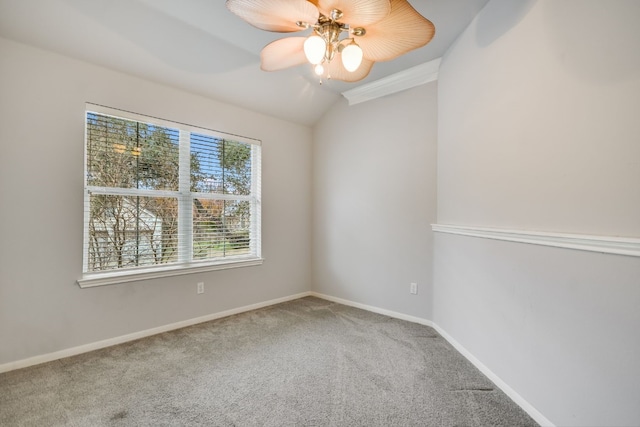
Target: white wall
(42, 309)
(374, 183)
(538, 122)
(538, 130)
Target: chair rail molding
(603, 244)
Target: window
(165, 198)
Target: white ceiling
(199, 46)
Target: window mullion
(117, 191)
(185, 210)
(228, 197)
(256, 178)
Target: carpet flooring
(307, 362)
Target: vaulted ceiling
(200, 47)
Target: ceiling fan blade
(337, 71)
(402, 31)
(358, 13)
(283, 53)
(275, 15)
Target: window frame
(185, 264)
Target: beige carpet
(307, 362)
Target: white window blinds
(159, 194)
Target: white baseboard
(373, 309)
(513, 395)
(49, 357)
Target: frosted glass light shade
(314, 49)
(351, 57)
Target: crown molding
(406, 79)
(603, 244)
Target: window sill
(113, 278)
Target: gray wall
(42, 309)
(538, 130)
(536, 110)
(374, 183)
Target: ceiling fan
(347, 36)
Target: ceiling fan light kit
(347, 36)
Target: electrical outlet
(413, 288)
(200, 288)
